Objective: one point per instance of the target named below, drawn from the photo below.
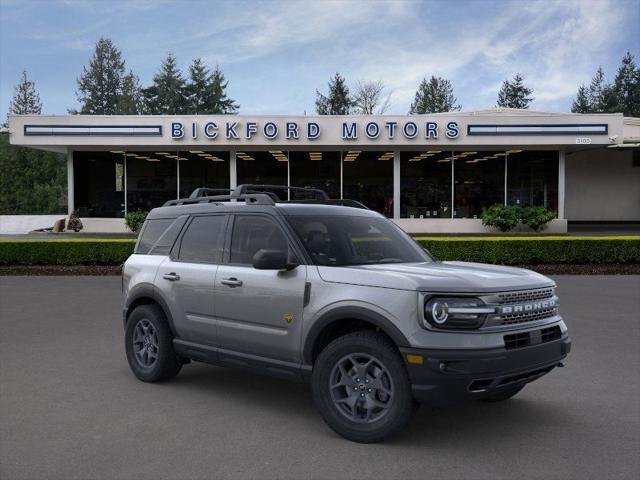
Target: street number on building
(583, 141)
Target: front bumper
(452, 376)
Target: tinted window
(204, 240)
(168, 238)
(253, 233)
(151, 232)
(344, 241)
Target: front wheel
(361, 387)
(149, 345)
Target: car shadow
(469, 425)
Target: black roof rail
(206, 192)
(249, 198)
(245, 188)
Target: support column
(71, 206)
(561, 177)
(233, 173)
(396, 184)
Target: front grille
(524, 339)
(526, 296)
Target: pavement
(71, 409)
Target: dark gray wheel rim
(145, 343)
(361, 388)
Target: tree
(206, 92)
(514, 94)
(433, 96)
(130, 101)
(370, 98)
(581, 104)
(596, 91)
(100, 85)
(25, 99)
(167, 95)
(627, 86)
(338, 101)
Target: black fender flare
(146, 290)
(354, 313)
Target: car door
(259, 312)
(187, 277)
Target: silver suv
(337, 295)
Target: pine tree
(130, 101)
(25, 99)
(99, 86)
(206, 91)
(218, 100)
(338, 101)
(433, 96)
(581, 104)
(514, 94)
(167, 95)
(627, 86)
(596, 91)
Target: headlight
(456, 312)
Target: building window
(99, 184)
(532, 178)
(151, 179)
(316, 169)
(425, 186)
(263, 168)
(200, 168)
(478, 182)
(368, 178)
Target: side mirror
(272, 260)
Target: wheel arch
(345, 320)
(145, 294)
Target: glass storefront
(425, 184)
(99, 184)
(317, 170)
(368, 178)
(532, 178)
(433, 183)
(478, 182)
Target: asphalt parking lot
(71, 409)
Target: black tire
(502, 395)
(165, 364)
(344, 418)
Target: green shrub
(504, 218)
(537, 217)
(65, 252)
(535, 250)
(134, 220)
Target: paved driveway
(70, 408)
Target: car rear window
(203, 240)
(151, 232)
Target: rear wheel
(149, 345)
(503, 394)
(361, 387)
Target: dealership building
(429, 173)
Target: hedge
(535, 250)
(65, 252)
(498, 250)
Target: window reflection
(99, 183)
(263, 168)
(200, 168)
(151, 179)
(368, 178)
(425, 188)
(532, 178)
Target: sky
(275, 54)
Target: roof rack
(260, 195)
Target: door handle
(172, 277)
(231, 282)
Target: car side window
(203, 241)
(252, 233)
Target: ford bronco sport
(329, 292)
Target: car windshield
(339, 240)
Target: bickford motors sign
(294, 130)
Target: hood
(437, 277)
